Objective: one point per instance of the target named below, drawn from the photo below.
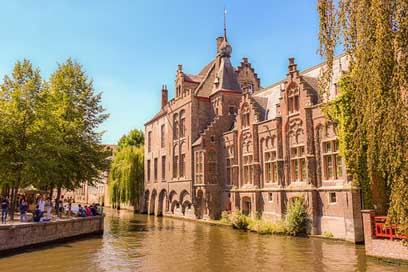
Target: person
(4, 209)
(48, 207)
(23, 211)
(81, 211)
(61, 207)
(37, 214)
(88, 211)
(93, 210)
(41, 204)
(99, 210)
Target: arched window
(182, 160)
(182, 123)
(175, 126)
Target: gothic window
(199, 158)
(175, 126)
(162, 136)
(182, 123)
(212, 167)
(298, 163)
(293, 100)
(332, 161)
(232, 110)
(163, 168)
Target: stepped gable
(246, 74)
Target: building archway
(162, 202)
(152, 204)
(146, 201)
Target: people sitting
(81, 211)
(88, 211)
(37, 214)
(93, 210)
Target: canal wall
(20, 236)
(381, 248)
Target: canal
(142, 243)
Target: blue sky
(130, 48)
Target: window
(163, 168)
(149, 141)
(248, 169)
(212, 167)
(271, 167)
(182, 165)
(270, 197)
(332, 161)
(212, 138)
(245, 117)
(332, 198)
(232, 110)
(175, 126)
(298, 164)
(175, 166)
(293, 100)
(155, 169)
(182, 123)
(148, 170)
(199, 157)
(162, 136)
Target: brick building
(224, 143)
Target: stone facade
(224, 143)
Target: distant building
(97, 193)
(224, 143)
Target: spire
(225, 24)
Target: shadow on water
(145, 243)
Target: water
(142, 243)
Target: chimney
(219, 42)
(164, 96)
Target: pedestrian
(81, 211)
(88, 211)
(4, 209)
(48, 207)
(41, 204)
(23, 211)
(37, 214)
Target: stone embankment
(29, 235)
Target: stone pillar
(368, 227)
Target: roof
(226, 78)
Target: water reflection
(141, 243)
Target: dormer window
(250, 87)
(293, 100)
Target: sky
(130, 48)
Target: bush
(225, 217)
(328, 234)
(263, 227)
(240, 221)
(296, 218)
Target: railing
(382, 230)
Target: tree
(21, 97)
(135, 137)
(372, 110)
(126, 177)
(75, 155)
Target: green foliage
(375, 125)
(328, 234)
(225, 218)
(262, 227)
(48, 129)
(135, 137)
(239, 220)
(126, 178)
(296, 218)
